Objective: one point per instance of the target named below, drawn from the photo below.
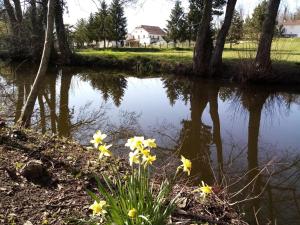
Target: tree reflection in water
(53, 112)
(216, 158)
(197, 140)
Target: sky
(151, 12)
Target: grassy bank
(44, 180)
(285, 55)
(285, 50)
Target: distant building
(292, 28)
(147, 35)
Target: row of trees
(26, 25)
(207, 60)
(184, 26)
(108, 24)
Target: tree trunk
(64, 123)
(20, 99)
(11, 16)
(37, 37)
(18, 10)
(216, 60)
(214, 114)
(29, 106)
(263, 57)
(42, 113)
(64, 47)
(52, 103)
(255, 109)
(203, 48)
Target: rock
(20, 135)
(2, 123)
(35, 172)
(182, 203)
(12, 173)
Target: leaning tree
(263, 61)
(30, 102)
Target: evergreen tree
(253, 24)
(297, 14)
(92, 29)
(236, 29)
(80, 34)
(194, 16)
(280, 30)
(103, 23)
(118, 22)
(177, 25)
(196, 8)
(218, 7)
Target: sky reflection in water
(227, 130)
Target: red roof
(154, 30)
(292, 22)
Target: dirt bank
(239, 71)
(44, 180)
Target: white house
(292, 28)
(147, 34)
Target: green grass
(169, 55)
(283, 50)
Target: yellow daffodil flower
(145, 152)
(98, 208)
(132, 213)
(135, 143)
(98, 138)
(150, 143)
(148, 160)
(104, 151)
(134, 157)
(186, 165)
(205, 189)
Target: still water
(237, 136)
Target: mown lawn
(283, 50)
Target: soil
(44, 178)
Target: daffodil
(186, 165)
(98, 138)
(135, 143)
(134, 157)
(132, 213)
(145, 152)
(148, 160)
(104, 151)
(98, 208)
(150, 143)
(205, 189)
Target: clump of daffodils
(134, 201)
(98, 142)
(141, 151)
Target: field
(283, 50)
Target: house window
(144, 36)
(138, 36)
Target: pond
(245, 137)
